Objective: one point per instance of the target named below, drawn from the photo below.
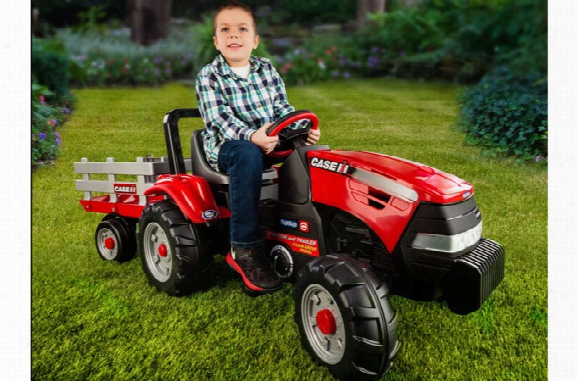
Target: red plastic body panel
(126, 206)
(193, 196)
(382, 191)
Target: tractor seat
(201, 167)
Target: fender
(193, 196)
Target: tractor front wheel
(345, 319)
(170, 250)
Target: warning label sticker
(297, 244)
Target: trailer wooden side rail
(125, 198)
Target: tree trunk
(149, 20)
(410, 3)
(368, 6)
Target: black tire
(170, 251)
(357, 338)
(115, 239)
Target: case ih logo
(125, 188)
(333, 166)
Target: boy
(239, 96)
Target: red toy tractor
(349, 228)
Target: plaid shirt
(233, 108)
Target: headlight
(448, 243)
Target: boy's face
(235, 36)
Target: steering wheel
(291, 139)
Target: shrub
(106, 59)
(506, 114)
(66, 13)
(50, 65)
(45, 120)
(308, 65)
(408, 30)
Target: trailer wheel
(345, 318)
(115, 239)
(170, 250)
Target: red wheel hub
(326, 322)
(162, 250)
(109, 243)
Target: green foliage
(110, 58)
(316, 11)
(507, 114)
(94, 320)
(311, 64)
(71, 13)
(90, 19)
(205, 50)
(496, 32)
(279, 11)
(406, 31)
(46, 118)
(50, 65)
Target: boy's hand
(313, 137)
(263, 141)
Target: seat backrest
(199, 164)
(201, 167)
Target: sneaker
(257, 273)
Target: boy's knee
(245, 153)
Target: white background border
(15, 202)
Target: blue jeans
(244, 163)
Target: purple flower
(375, 49)
(373, 61)
(335, 73)
(347, 74)
(65, 110)
(42, 136)
(54, 122)
(538, 159)
(402, 53)
(57, 138)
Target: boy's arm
(216, 113)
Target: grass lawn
(93, 320)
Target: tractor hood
(401, 178)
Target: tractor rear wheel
(170, 250)
(345, 318)
(115, 239)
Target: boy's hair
(231, 5)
